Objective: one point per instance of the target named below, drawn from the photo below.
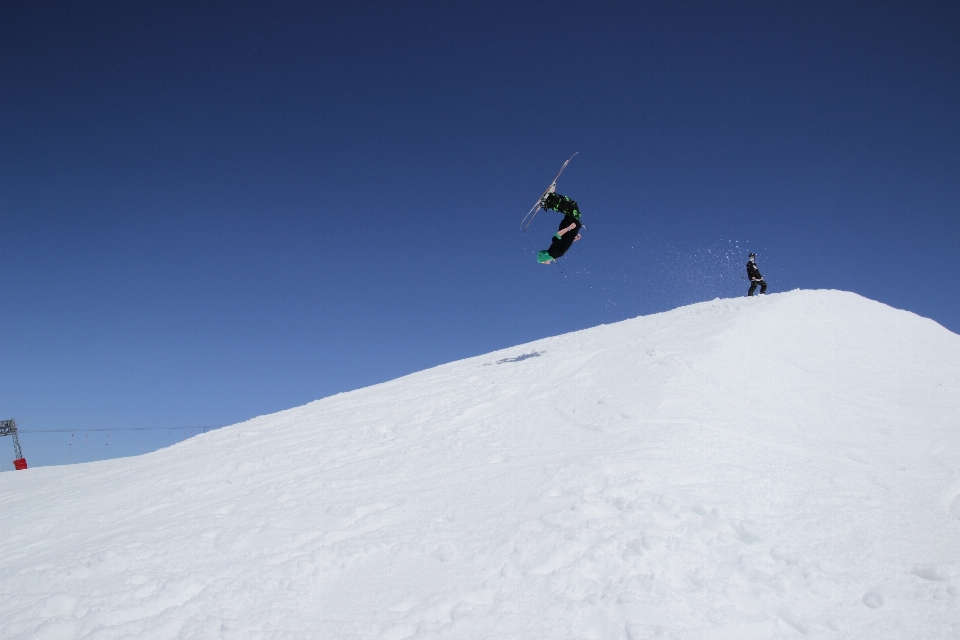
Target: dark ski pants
(560, 203)
(753, 286)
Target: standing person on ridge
(569, 230)
(753, 272)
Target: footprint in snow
(873, 599)
(930, 572)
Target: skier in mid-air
(569, 230)
(753, 272)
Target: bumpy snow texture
(747, 468)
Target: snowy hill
(745, 468)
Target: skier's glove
(557, 236)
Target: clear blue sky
(212, 211)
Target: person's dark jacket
(560, 245)
(753, 272)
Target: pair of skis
(553, 185)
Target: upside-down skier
(569, 230)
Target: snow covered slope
(746, 468)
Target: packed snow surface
(748, 468)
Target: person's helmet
(753, 255)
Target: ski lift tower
(9, 428)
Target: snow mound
(745, 468)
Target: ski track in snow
(750, 468)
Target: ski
(527, 219)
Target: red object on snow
(20, 464)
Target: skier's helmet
(752, 256)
